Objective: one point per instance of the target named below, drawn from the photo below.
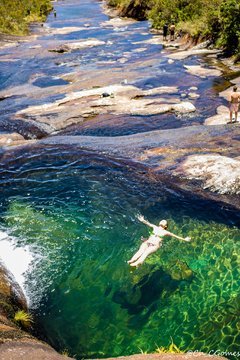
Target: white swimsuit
(155, 239)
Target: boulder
(77, 45)
(218, 173)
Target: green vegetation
(23, 318)
(172, 348)
(16, 15)
(217, 20)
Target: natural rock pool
(76, 213)
(71, 209)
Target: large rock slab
(217, 173)
(181, 55)
(222, 117)
(115, 99)
(77, 45)
(201, 71)
(64, 30)
(166, 151)
(29, 350)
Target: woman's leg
(236, 116)
(141, 250)
(148, 251)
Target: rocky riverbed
(113, 93)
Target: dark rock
(105, 94)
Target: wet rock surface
(26, 350)
(77, 45)
(202, 153)
(15, 343)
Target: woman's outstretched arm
(141, 218)
(178, 237)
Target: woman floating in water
(154, 242)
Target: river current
(70, 217)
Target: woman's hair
(235, 88)
(163, 223)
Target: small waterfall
(16, 259)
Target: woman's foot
(135, 264)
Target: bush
(230, 26)
(15, 15)
(217, 20)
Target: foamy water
(16, 259)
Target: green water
(79, 217)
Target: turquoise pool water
(77, 213)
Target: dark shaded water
(76, 212)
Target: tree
(230, 30)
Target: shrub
(229, 22)
(15, 15)
(23, 318)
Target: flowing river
(73, 213)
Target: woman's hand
(188, 239)
(140, 218)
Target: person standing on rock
(165, 31)
(154, 242)
(234, 104)
(172, 32)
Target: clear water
(77, 213)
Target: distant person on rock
(180, 33)
(234, 104)
(165, 31)
(172, 32)
(154, 242)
